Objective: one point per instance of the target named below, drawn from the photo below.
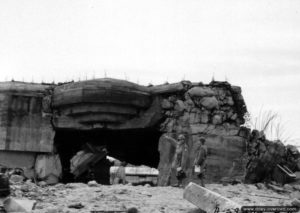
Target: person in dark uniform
(200, 161)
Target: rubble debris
(132, 210)
(270, 160)
(295, 202)
(135, 175)
(208, 200)
(85, 159)
(14, 205)
(76, 206)
(92, 183)
(48, 168)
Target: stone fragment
(234, 117)
(260, 186)
(76, 206)
(297, 187)
(229, 101)
(209, 102)
(204, 118)
(92, 183)
(166, 104)
(295, 195)
(295, 202)
(52, 210)
(288, 187)
(48, 168)
(42, 183)
(17, 205)
(201, 91)
(132, 210)
(217, 119)
(194, 118)
(221, 94)
(208, 200)
(16, 178)
(179, 106)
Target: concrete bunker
(130, 119)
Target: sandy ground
(60, 198)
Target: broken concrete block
(166, 104)
(229, 101)
(209, 102)
(295, 202)
(16, 178)
(14, 205)
(48, 168)
(179, 106)
(208, 200)
(201, 91)
(76, 206)
(288, 187)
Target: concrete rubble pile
(270, 160)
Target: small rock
(42, 184)
(260, 186)
(25, 188)
(297, 187)
(288, 187)
(295, 195)
(132, 210)
(122, 191)
(92, 183)
(147, 185)
(16, 178)
(166, 104)
(201, 91)
(217, 119)
(75, 185)
(296, 202)
(76, 206)
(52, 211)
(209, 102)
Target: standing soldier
(200, 161)
(179, 157)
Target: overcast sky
(253, 44)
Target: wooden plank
(208, 200)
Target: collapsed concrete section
(130, 120)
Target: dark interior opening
(135, 146)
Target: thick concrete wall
(215, 112)
(23, 124)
